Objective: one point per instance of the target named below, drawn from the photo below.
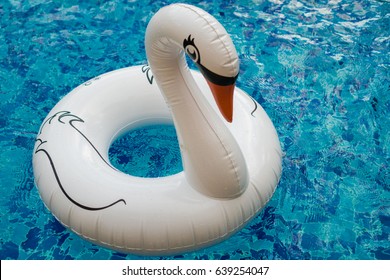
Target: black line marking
(41, 142)
(89, 141)
(254, 101)
(63, 114)
(66, 194)
(215, 78)
(149, 75)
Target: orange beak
(223, 96)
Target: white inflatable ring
(231, 155)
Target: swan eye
(193, 53)
(191, 49)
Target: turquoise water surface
(319, 68)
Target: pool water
(319, 68)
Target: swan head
(181, 27)
(217, 59)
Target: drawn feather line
(61, 115)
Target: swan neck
(212, 160)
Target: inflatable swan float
(230, 149)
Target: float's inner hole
(148, 151)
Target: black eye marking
(191, 49)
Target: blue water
(319, 68)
